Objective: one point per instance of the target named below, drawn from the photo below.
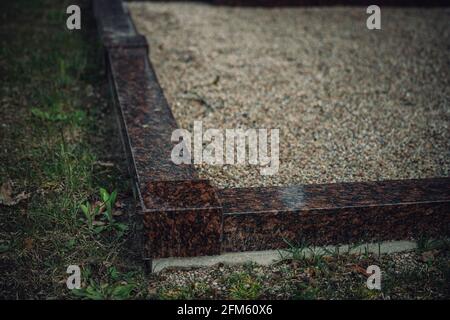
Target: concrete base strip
(268, 257)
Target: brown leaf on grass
(359, 269)
(105, 163)
(28, 243)
(6, 197)
(5, 192)
(119, 204)
(152, 289)
(428, 255)
(310, 272)
(117, 213)
(101, 206)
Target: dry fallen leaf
(117, 213)
(6, 197)
(359, 269)
(5, 193)
(105, 163)
(101, 206)
(119, 204)
(428, 255)
(152, 289)
(28, 243)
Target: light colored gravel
(351, 104)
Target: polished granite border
(185, 216)
(339, 213)
(180, 213)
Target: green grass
(340, 275)
(55, 128)
(118, 287)
(195, 290)
(243, 286)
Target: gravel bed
(351, 104)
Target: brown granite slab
(263, 218)
(146, 116)
(180, 214)
(112, 20)
(182, 218)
